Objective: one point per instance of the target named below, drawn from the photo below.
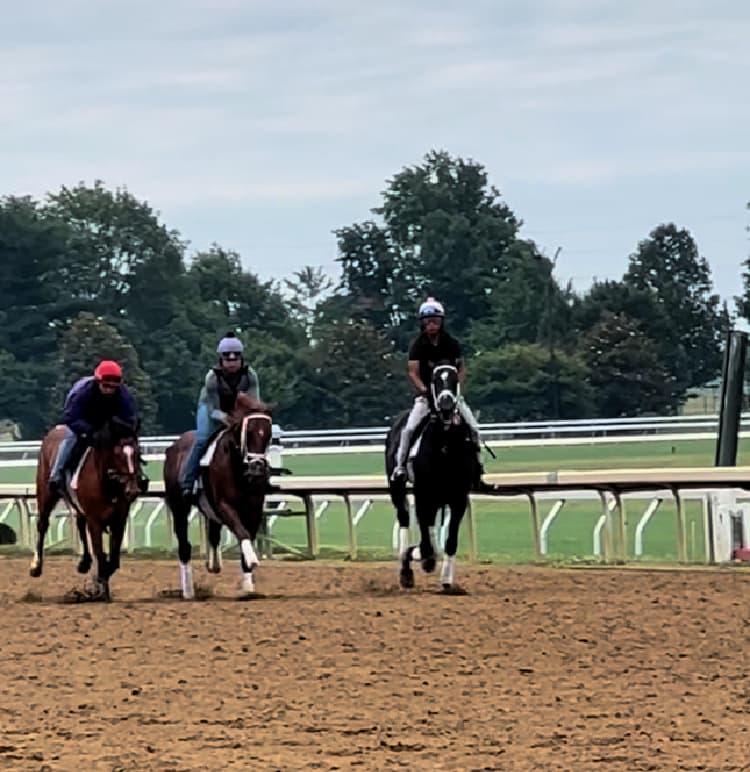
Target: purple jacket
(87, 409)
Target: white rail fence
(644, 490)
(495, 434)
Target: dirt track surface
(536, 669)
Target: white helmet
(431, 308)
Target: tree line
(89, 273)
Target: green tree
(355, 378)
(19, 396)
(625, 369)
(516, 383)
(32, 253)
(232, 298)
(89, 340)
(668, 266)
(306, 291)
(124, 261)
(444, 231)
(743, 302)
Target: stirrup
(398, 474)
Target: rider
(89, 405)
(216, 401)
(434, 344)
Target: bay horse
(234, 486)
(109, 479)
(445, 469)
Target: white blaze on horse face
(129, 453)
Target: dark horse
(234, 486)
(107, 481)
(444, 470)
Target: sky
(264, 126)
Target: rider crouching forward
(433, 345)
(91, 402)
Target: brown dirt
(534, 668)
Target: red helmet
(107, 370)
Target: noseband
(445, 394)
(247, 457)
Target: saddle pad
(76, 474)
(209, 454)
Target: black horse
(445, 469)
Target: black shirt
(447, 349)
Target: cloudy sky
(265, 125)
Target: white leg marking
(35, 560)
(446, 572)
(248, 582)
(186, 581)
(416, 553)
(251, 559)
(403, 541)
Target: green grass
(521, 459)
(503, 526)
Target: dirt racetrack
(535, 668)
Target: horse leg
(251, 520)
(249, 559)
(397, 490)
(447, 571)
(184, 550)
(213, 558)
(116, 534)
(42, 524)
(101, 575)
(426, 513)
(84, 564)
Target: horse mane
(244, 404)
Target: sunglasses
(111, 383)
(231, 356)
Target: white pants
(419, 411)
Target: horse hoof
(406, 578)
(428, 564)
(35, 571)
(84, 566)
(213, 569)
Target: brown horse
(234, 488)
(109, 480)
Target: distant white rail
(371, 439)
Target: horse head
(250, 427)
(446, 390)
(117, 442)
